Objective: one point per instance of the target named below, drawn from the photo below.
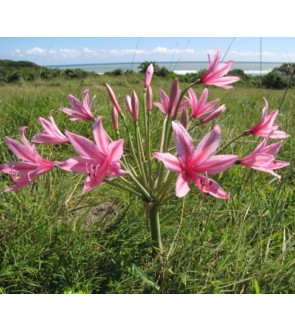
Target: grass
(53, 239)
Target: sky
(72, 50)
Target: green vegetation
(53, 239)
(18, 71)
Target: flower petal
(116, 150)
(207, 146)
(100, 136)
(182, 185)
(217, 164)
(183, 140)
(84, 146)
(171, 162)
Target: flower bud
(134, 103)
(214, 114)
(148, 75)
(113, 99)
(128, 104)
(149, 98)
(115, 119)
(174, 91)
(184, 118)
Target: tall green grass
(54, 239)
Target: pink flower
(98, 160)
(81, 110)
(216, 72)
(265, 127)
(31, 166)
(201, 107)
(263, 158)
(194, 164)
(168, 104)
(113, 99)
(148, 75)
(51, 133)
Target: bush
(273, 80)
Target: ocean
(250, 68)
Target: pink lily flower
(113, 99)
(263, 158)
(169, 103)
(31, 166)
(80, 110)
(216, 72)
(51, 133)
(194, 164)
(265, 127)
(201, 107)
(148, 76)
(99, 160)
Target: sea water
(250, 68)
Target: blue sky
(70, 50)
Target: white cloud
(35, 51)
(160, 53)
(90, 53)
(164, 50)
(17, 52)
(68, 53)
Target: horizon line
(158, 62)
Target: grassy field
(53, 239)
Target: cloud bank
(160, 53)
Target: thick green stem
(154, 221)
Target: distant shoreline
(180, 68)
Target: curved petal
(100, 136)
(183, 141)
(217, 164)
(86, 103)
(20, 150)
(182, 185)
(171, 162)
(279, 134)
(211, 187)
(161, 107)
(116, 150)
(75, 164)
(206, 147)
(84, 146)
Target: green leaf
(138, 271)
(256, 286)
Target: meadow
(54, 239)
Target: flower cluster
(104, 159)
